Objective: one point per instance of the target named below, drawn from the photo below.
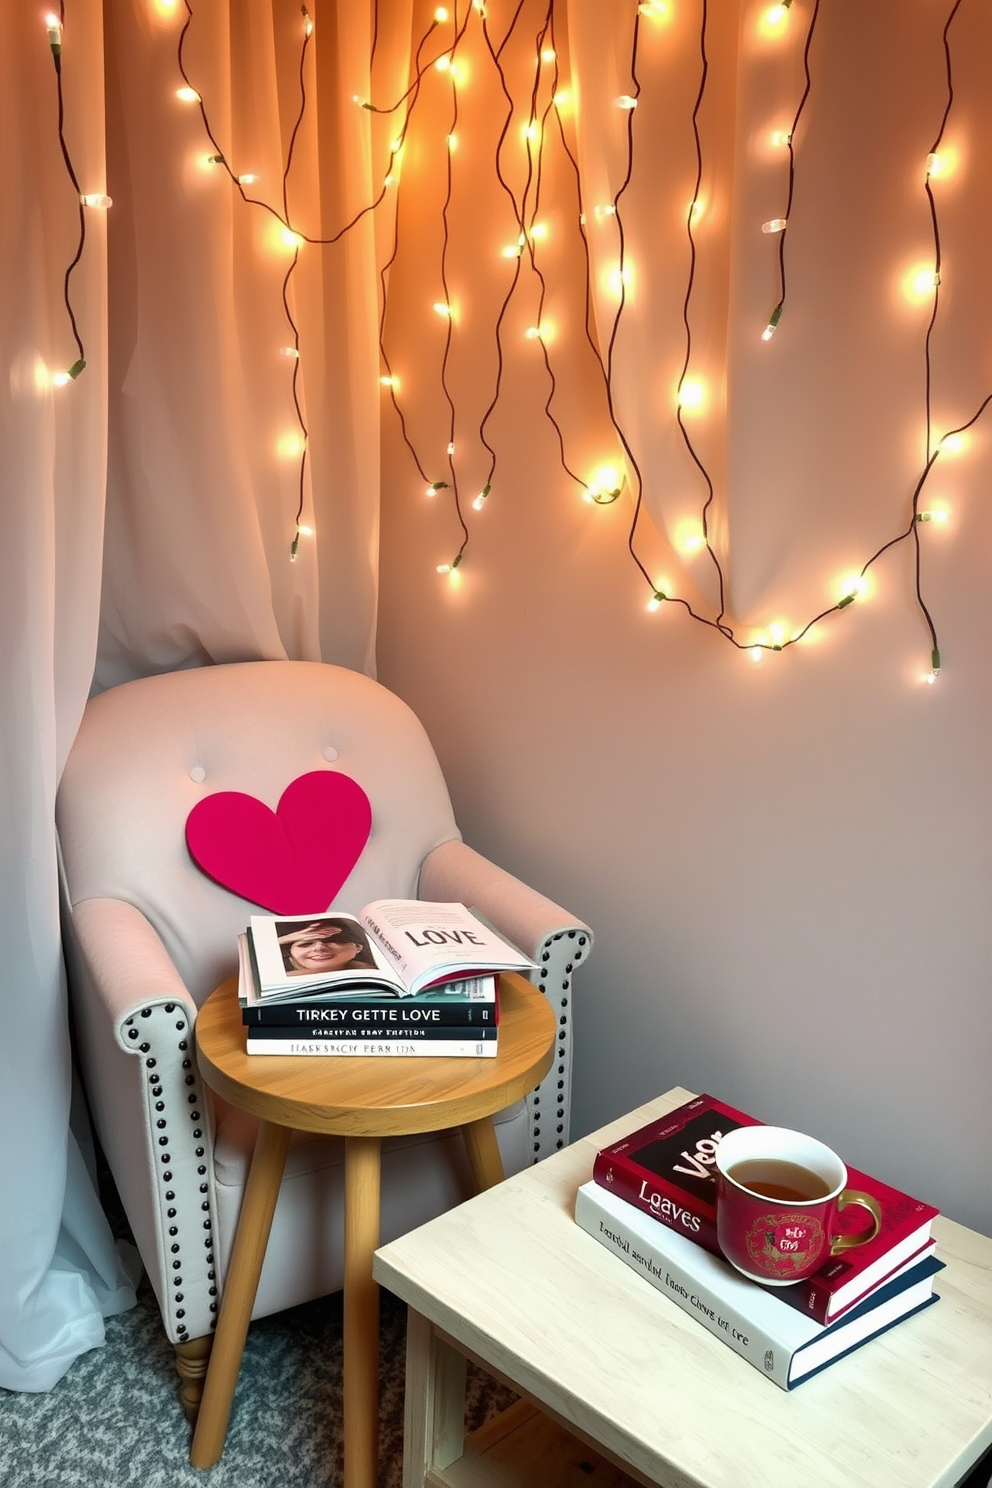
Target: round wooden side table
(361, 1100)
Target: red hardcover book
(668, 1169)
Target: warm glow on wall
(515, 248)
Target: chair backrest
(148, 750)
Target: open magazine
(400, 945)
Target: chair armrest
(552, 937)
(129, 967)
(134, 1024)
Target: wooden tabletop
(376, 1096)
(511, 1277)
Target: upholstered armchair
(149, 936)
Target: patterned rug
(115, 1419)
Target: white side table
(510, 1280)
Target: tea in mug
(774, 1178)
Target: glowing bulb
(389, 381)
(304, 530)
(695, 210)
(290, 446)
(656, 10)
(781, 138)
(691, 393)
(95, 200)
(511, 251)
(776, 16)
(482, 497)
(657, 600)
(452, 142)
(855, 586)
(539, 231)
(188, 95)
(625, 101)
(441, 308)
(919, 283)
(756, 653)
(449, 568)
(451, 449)
(778, 634)
(289, 351)
(605, 485)
(480, 6)
(440, 15)
(773, 321)
(291, 239)
(307, 31)
(562, 99)
(248, 179)
(443, 63)
(608, 210)
(531, 132)
(63, 378)
(533, 333)
(953, 444)
(548, 54)
(617, 281)
(54, 27)
(938, 514)
(776, 225)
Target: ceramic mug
(779, 1194)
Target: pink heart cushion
(292, 860)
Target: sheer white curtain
(60, 1273)
(153, 502)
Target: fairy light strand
(782, 232)
(55, 26)
(525, 209)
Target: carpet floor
(115, 1420)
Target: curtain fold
(60, 1271)
(157, 512)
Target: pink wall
(786, 865)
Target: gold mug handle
(864, 1201)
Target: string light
(773, 321)
(95, 199)
(53, 24)
(187, 94)
(691, 391)
(62, 379)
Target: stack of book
(652, 1202)
(403, 978)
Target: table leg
(240, 1286)
(361, 1311)
(483, 1153)
(434, 1403)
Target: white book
(393, 1048)
(785, 1344)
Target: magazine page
(308, 952)
(428, 943)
